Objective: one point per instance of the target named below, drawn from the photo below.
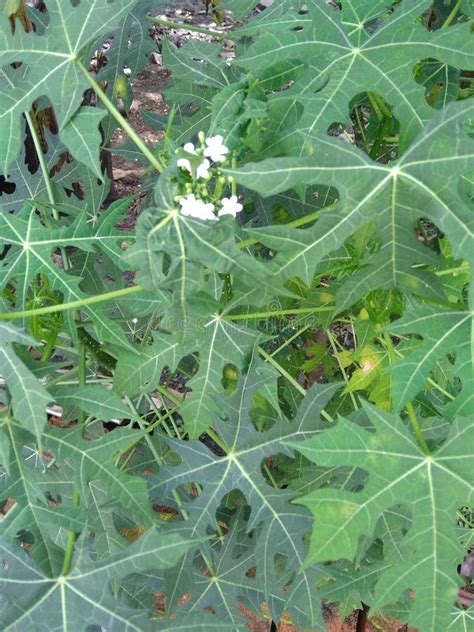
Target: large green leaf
(422, 183)
(52, 63)
(432, 487)
(96, 460)
(365, 47)
(33, 244)
(86, 596)
(444, 332)
(27, 481)
(281, 526)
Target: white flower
(193, 207)
(189, 148)
(203, 170)
(215, 148)
(230, 206)
(184, 163)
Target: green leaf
(52, 63)
(422, 183)
(282, 527)
(366, 47)
(432, 487)
(93, 399)
(86, 595)
(141, 373)
(27, 481)
(82, 137)
(32, 246)
(444, 332)
(220, 343)
(29, 396)
(96, 460)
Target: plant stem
(416, 428)
(124, 124)
(46, 178)
(452, 15)
(290, 340)
(270, 476)
(290, 378)
(379, 106)
(464, 267)
(341, 368)
(81, 347)
(301, 221)
(189, 27)
(90, 300)
(42, 162)
(71, 539)
(281, 312)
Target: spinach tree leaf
(32, 246)
(422, 183)
(96, 460)
(29, 396)
(27, 481)
(85, 596)
(281, 526)
(444, 332)
(52, 65)
(432, 487)
(366, 47)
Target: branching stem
(122, 121)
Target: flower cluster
(197, 201)
(193, 207)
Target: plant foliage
(258, 397)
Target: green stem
(42, 162)
(452, 15)
(81, 347)
(374, 152)
(464, 267)
(90, 300)
(190, 27)
(233, 184)
(379, 106)
(46, 178)
(341, 368)
(290, 340)
(270, 476)
(296, 223)
(124, 124)
(416, 428)
(71, 540)
(280, 312)
(148, 329)
(290, 378)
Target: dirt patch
(147, 89)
